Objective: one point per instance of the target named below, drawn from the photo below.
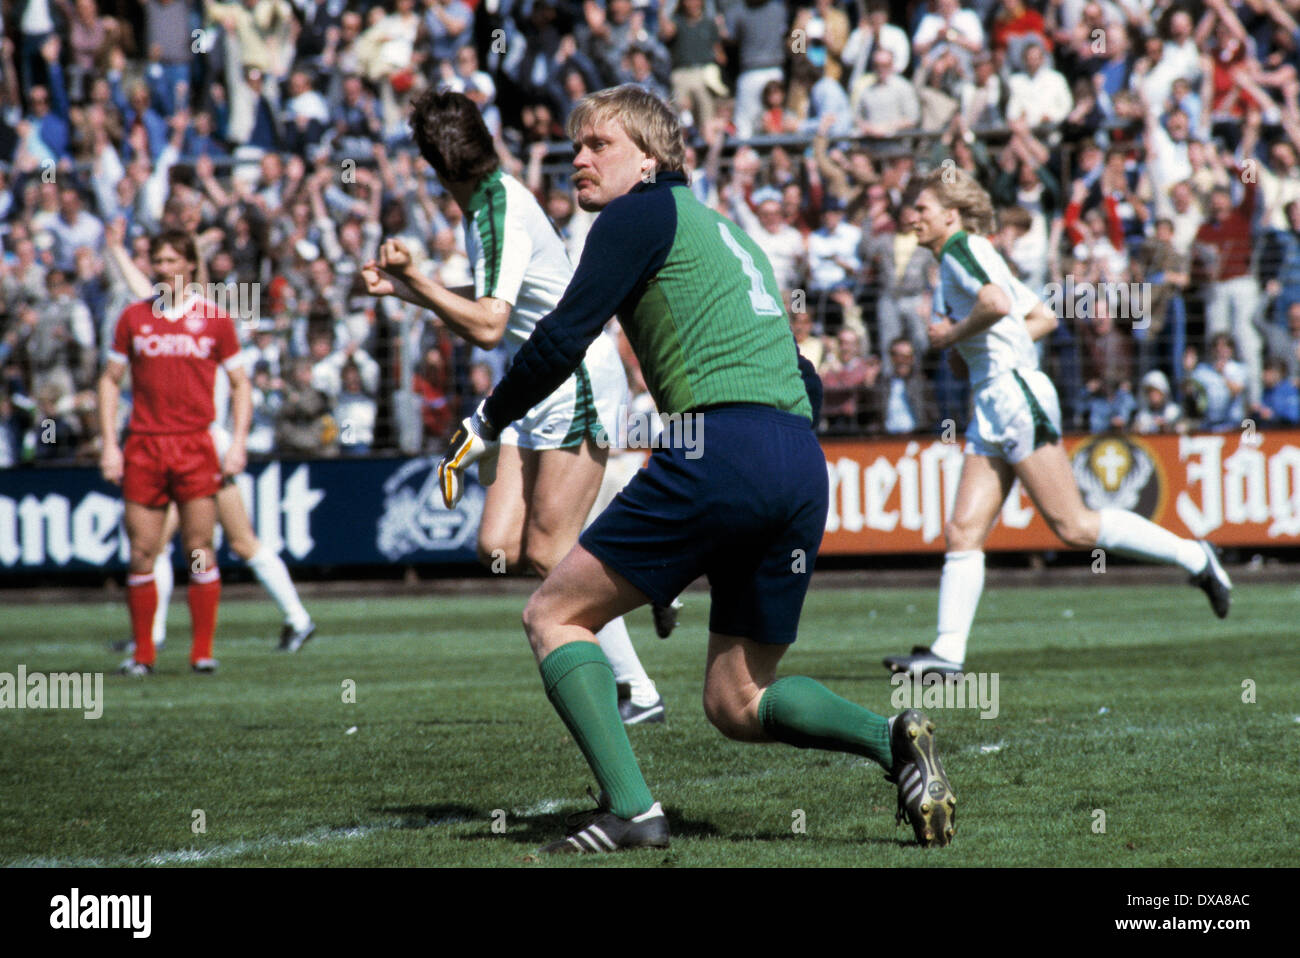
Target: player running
(552, 461)
(701, 307)
(173, 346)
(1016, 430)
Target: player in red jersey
(173, 345)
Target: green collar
(960, 234)
(479, 198)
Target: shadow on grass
(414, 817)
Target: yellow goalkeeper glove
(469, 444)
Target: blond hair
(955, 189)
(648, 121)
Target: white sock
(271, 572)
(163, 577)
(1130, 535)
(960, 586)
(617, 646)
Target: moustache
(579, 178)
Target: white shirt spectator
(1169, 162)
(1038, 94)
(327, 375)
(858, 47)
(85, 230)
(825, 247)
(784, 247)
(309, 104)
(355, 414)
(934, 26)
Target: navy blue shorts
(746, 507)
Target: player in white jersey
(552, 460)
(1015, 433)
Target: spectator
(1218, 385)
(1039, 96)
(694, 47)
(306, 115)
(1108, 405)
(1157, 412)
(758, 28)
(437, 405)
(1232, 294)
(14, 423)
(54, 435)
(73, 228)
(1167, 273)
(449, 24)
(899, 269)
(1279, 405)
(776, 119)
(169, 42)
(811, 347)
(949, 24)
(268, 397)
(304, 425)
(356, 413)
(874, 31)
(885, 103)
(849, 382)
(1284, 342)
(783, 245)
(980, 98)
(904, 397)
(86, 39)
(609, 33)
(328, 363)
(833, 267)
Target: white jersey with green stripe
(966, 264)
(516, 253)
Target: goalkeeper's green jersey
(697, 299)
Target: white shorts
(221, 440)
(1015, 413)
(586, 404)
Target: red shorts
(175, 467)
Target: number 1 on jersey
(763, 302)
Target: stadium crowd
(1144, 157)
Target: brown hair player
(172, 345)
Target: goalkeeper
(746, 506)
(553, 459)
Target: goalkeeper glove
(473, 441)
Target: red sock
(142, 600)
(204, 594)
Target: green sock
(580, 684)
(803, 713)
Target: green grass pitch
(1118, 699)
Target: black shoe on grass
(291, 639)
(925, 798)
(599, 830)
(1214, 581)
(922, 662)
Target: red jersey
(173, 363)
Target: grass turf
(1119, 699)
